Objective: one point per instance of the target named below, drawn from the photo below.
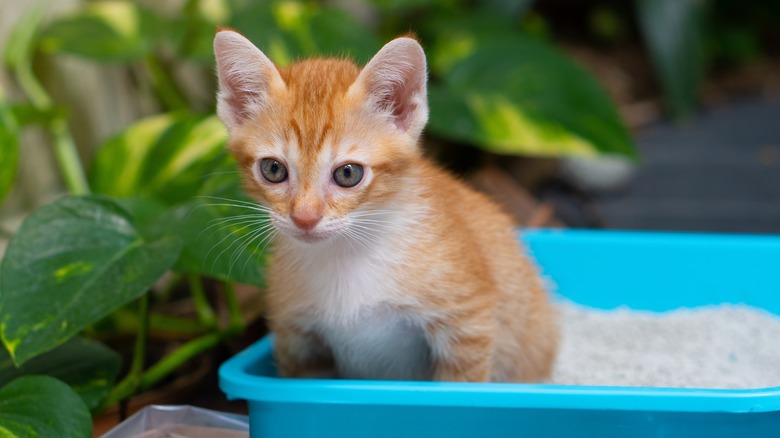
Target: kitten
(385, 266)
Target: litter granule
(724, 346)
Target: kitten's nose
(305, 220)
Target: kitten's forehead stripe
(326, 128)
(297, 131)
(316, 90)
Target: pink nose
(305, 221)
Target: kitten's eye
(348, 175)
(273, 170)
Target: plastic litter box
(602, 269)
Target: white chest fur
(380, 344)
(353, 303)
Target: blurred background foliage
(114, 101)
(499, 79)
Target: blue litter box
(602, 269)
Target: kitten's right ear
(394, 82)
(245, 75)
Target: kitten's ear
(245, 75)
(394, 82)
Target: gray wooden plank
(719, 172)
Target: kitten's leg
(460, 356)
(300, 353)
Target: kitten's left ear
(394, 83)
(246, 78)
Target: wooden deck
(718, 172)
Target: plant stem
(191, 17)
(192, 348)
(235, 318)
(64, 147)
(19, 56)
(138, 380)
(129, 385)
(139, 352)
(31, 87)
(166, 88)
(126, 322)
(173, 325)
(132, 383)
(68, 157)
(181, 355)
(205, 312)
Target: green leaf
(339, 33)
(509, 10)
(289, 30)
(71, 263)
(9, 148)
(89, 367)
(168, 156)
(42, 406)
(672, 30)
(511, 94)
(104, 31)
(146, 212)
(192, 31)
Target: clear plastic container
(170, 421)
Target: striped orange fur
(408, 273)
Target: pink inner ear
(395, 79)
(241, 98)
(244, 77)
(402, 115)
(400, 100)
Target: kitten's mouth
(310, 237)
(313, 235)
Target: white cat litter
(723, 347)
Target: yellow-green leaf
(511, 94)
(167, 157)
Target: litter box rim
(239, 379)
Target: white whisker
(366, 228)
(229, 202)
(233, 221)
(362, 235)
(355, 236)
(375, 222)
(247, 207)
(257, 234)
(238, 239)
(223, 172)
(264, 241)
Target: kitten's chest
(382, 343)
(340, 287)
(359, 305)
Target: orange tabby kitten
(385, 266)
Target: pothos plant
(161, 206)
